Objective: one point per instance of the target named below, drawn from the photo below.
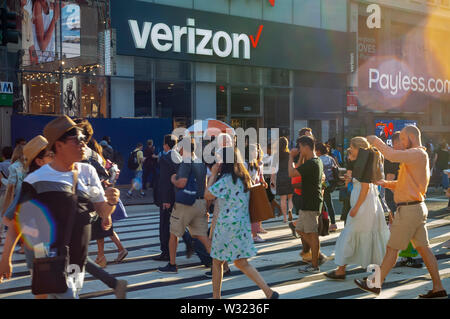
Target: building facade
(403, 67)
(251, 63)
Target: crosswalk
(277, 261)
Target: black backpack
(133, 163)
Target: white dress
(363, 240)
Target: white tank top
(46, 54)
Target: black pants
(164, 231)
(148, 175)
(329, 204)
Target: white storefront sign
(164, 38)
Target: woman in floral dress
(231, 229)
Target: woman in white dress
(363, 240)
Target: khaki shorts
(409, 225)
(194, 217)
(308, 221)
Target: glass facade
(63, 57)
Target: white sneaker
(258, 239)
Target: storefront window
(276, 77)
(173, 100)
(172, 70)
(245, 100)
(276, 108)
(221, 100)
(244, 74)
(142, 86)
(93, 97)
(221, 73)
(41, 95)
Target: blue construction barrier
(125, 133)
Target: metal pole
(61, 103)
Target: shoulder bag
(50, 273)
(259, 206)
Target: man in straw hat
(52, 183)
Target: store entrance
(245, 123)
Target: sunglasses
(49, 154)
(79, 139)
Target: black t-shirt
(442, 159)
(148, 154)
(311, 172)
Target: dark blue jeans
(201, 252)
(148, 176)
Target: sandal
(333, 276)
(121, 256)
(102, 262)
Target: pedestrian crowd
(207, 204)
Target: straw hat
(56, 128)
(33, 148)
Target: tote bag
(259, 206)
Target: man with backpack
(135, 162)
(331, 171)
(190, 206)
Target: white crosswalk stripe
(277, 260)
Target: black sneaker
(168, 269)
(413, 263)
(161, 257)
(434, 295)
(275, 295)
(225, 273)
(362, 284)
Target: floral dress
(232, 238)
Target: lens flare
(35, 222)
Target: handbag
(119, 213)
(188, 195)
(259, 206)
(50, 273)
(324, 224)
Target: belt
(409, 203)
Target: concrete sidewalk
(136, 198)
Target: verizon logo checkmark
(255, 42)
(272, 2)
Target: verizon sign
(157, 31)
(199, 41)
